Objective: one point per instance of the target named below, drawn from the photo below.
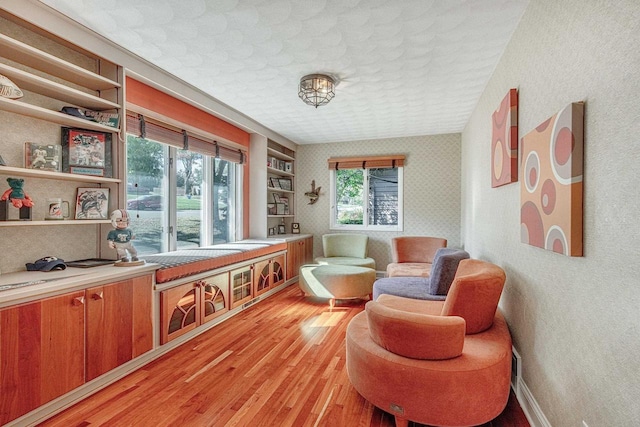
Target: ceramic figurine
(121, 236)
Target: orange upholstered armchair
(412, 256)
(445, 363)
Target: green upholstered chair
(346, 249)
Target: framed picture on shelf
(272, 231)
(285, 184)
(46, 157)
(86, 152)
(276, 198)
(282, 229)
(295, 228)
(271, 208)
(274, 182)
(281, 209)
(92, 203)
(288, 167)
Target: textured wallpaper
(431, 188)
(574, 320)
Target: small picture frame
(281, 229)
(272, 231)
(276, 198)
(46, 157)
(288, 167)
(285, 184)
(92, 203)
(274, 183)
(86, 152)
(281, 209)
(295, 228)
(271, 208)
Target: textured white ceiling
(406, 67)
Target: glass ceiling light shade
(317, 89)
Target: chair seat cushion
(408, 269)
(336, 281)
(345, 260)
(409, 287)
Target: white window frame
(366, 226)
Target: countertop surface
(24, 286)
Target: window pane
(188, 199)
(146, 161)
(383, 196)
(349, 196)
(224, 187)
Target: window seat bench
(186, 262)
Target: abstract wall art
(504, 141)
(552, 181)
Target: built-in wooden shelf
(39, 60)
(37, 173)
(31, 82)
(278, 172)
(279, 155)
(54, 222)
(36, 112)
(279, 190)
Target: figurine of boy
(120, 238)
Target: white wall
(575, 321)
(431, 188)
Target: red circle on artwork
(564, 146)
(533, 176)
(532, 221)
(558, 246)
(548, 197)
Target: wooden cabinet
(185, 307)
(51, 346)
(269, 274)
(41, 352)
(299, 252)
(119, 324)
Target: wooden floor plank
(279, 363)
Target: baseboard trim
(530, 406)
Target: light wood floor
(278, 363)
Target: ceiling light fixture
(317, 89)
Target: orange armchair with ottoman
(412, 256)
(441, 363)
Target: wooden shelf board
(36, 112)
(279, 190)
(34, 83)
(278, 172)
(37, 173)
(280, 216)
(279, 155)
(43, 61)
(54, 222)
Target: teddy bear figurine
(16, 194)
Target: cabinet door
(241, 285)
(292, 251)
(118, 324)
(214, 301)
(41, 352)
(308, 251)
(180, 309)
(277, 271)
(262, 279)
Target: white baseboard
(530, 406)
